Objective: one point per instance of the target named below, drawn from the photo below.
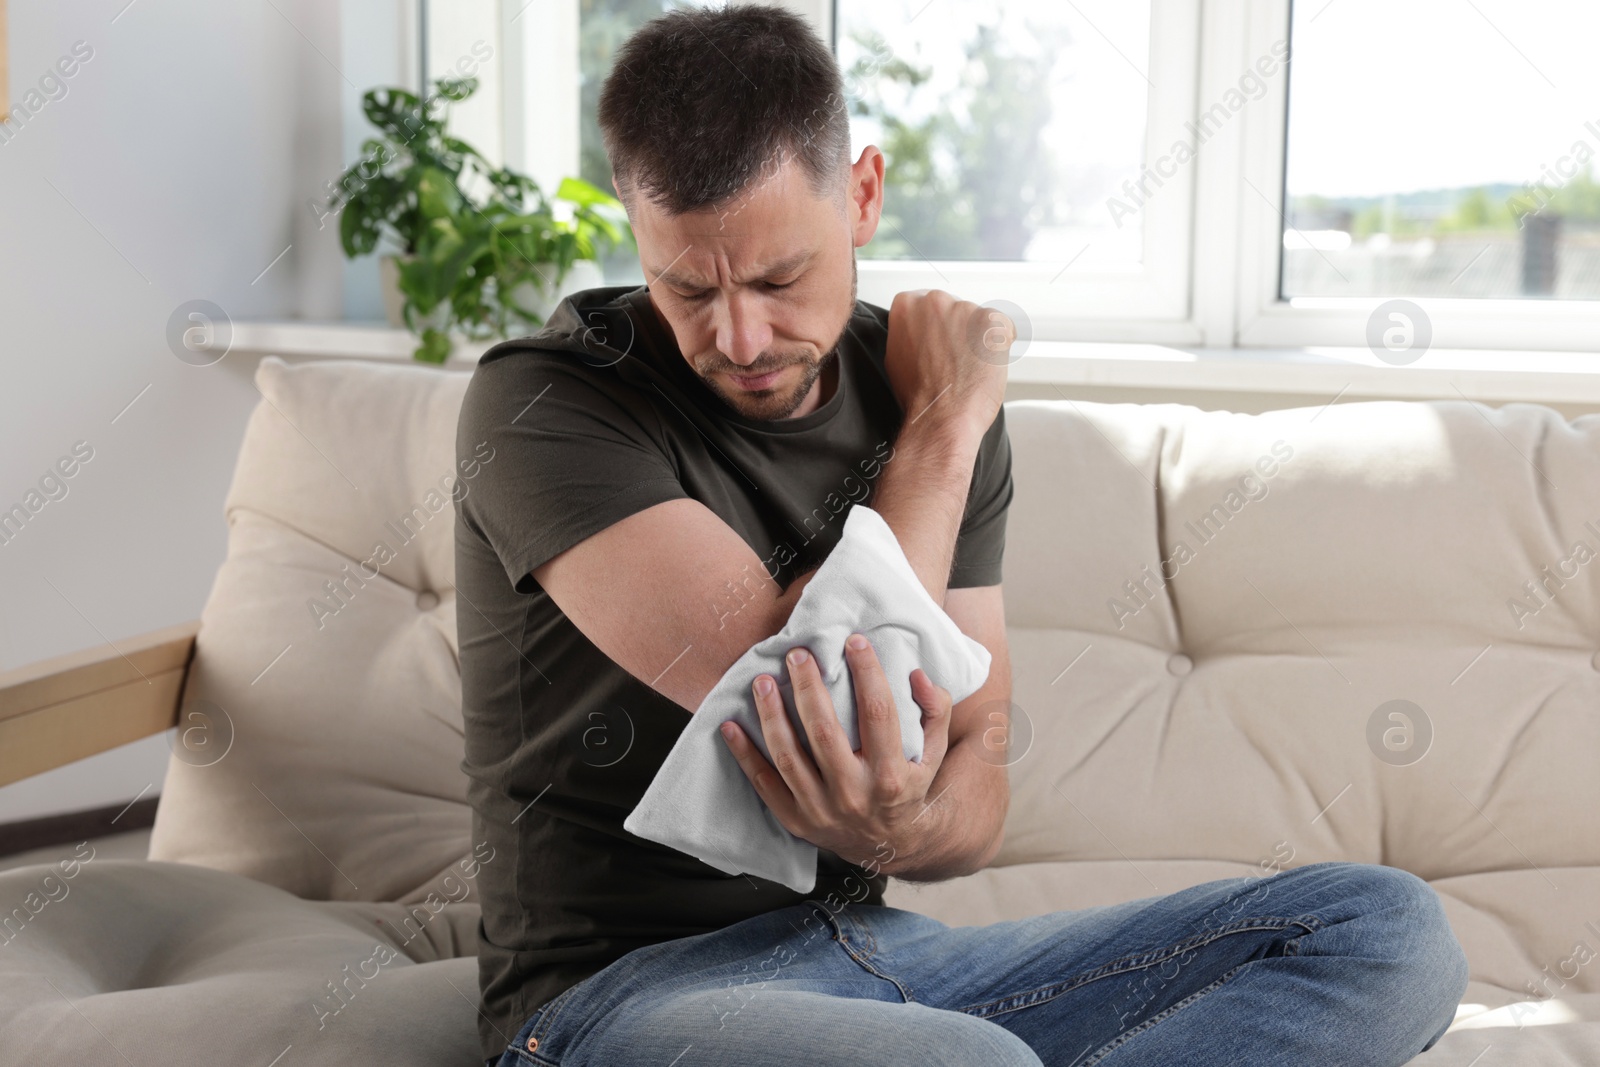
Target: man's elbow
(996, 838)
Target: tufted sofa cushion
(1232, 708)
(163, 963)
(320, 742)
(1210, 615)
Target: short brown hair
(701, 103)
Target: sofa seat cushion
(143, 962)
(1532, 939)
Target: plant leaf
(456, 89)
(578, 191)
(435, 347)
(437, 194)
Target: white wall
(176, 167)
(182, 162)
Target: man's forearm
(961, 828)
(960, 825)
(922, 495)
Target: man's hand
(854, 804)
(947, 358)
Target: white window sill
(340, 340)
(1533, 377)
(1443, 374)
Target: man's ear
(618, 190)
(864, 194)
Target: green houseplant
(477, 245)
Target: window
(1008, 129)
(1387, 172)
(603, 26)
(1018, 139)
(1453, 158)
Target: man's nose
(743, 332)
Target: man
(676, 460)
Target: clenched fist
(946, 360)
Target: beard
(777, 401)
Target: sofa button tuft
(427, 600)
(1180, 664)
(533, 1044)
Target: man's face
(758, 291)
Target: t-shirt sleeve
(573, 453)
(982, 541)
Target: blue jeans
(1327, 964)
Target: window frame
(1264, 319)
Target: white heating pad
(701, 803)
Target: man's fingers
(788, 758)
(876, 718)
(834, 760)
(769, 785)
(935, 704)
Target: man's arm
(961, 829)
(651, 592)
(654, 590)
(675, 596)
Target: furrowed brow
(678, 281)
(783, 266)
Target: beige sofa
(1240, 643)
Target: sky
(1399, 95)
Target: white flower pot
(584, 274)
(394, 301)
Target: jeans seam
(863, 960)
(1028, 998)
(871, 947)
(548, 1020)
(1122, 1039)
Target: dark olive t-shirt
(597, 417)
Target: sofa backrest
(1364, 631)
(319, 745)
